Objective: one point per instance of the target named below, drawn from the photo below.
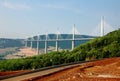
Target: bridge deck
(63, 39)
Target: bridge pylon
(102, 26)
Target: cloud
(52, 6)
(14, 6)
(62, 7)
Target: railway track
(40, 72)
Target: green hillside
(102, 47)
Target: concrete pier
(57, 37)
(31, 43)
(73, 37)
(46, 43)
(26, 43)
(38, 38)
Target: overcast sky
(26, 18)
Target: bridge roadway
(42, 72)
(63, 39)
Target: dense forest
(102, 47)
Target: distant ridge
(7, 42)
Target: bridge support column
(38, 45)
(46, 43)
(45, 46)
(56, 45)
(26, 43)
(57, 37)
(31, 43)
(73, 41)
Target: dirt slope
(103, 70)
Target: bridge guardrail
(44, 68)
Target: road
(39, 73)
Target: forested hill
(5, 42)
(102, 47)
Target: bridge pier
(26, 43)
(46, 43)
(45, 46)
(57, 37)
(73, 41)
(73, 38)
(31, 43)
(56, 45)
(38, 45)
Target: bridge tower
(73, 37)
(102, 26)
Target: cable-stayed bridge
(58, 37)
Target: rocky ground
(27, 52)
(103, 70)
(23, 52)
